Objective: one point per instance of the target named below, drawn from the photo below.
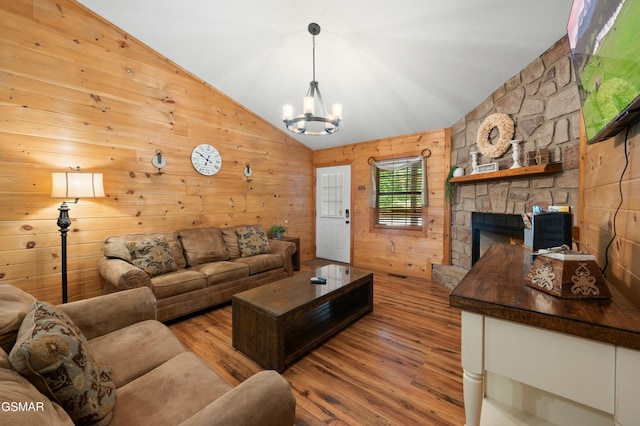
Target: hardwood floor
(399, 365)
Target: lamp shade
(76, 185)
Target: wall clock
(206, 159)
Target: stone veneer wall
(544, 103)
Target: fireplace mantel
(521, 172)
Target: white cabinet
(587, 372)
(567, 361)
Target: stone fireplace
(543, 102)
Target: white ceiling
(397, 66)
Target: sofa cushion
(203, 245)
(217, 272)
(152, 256)
(15, 305)
(261, 262)
(231, 241)
(252, 240)
(178, 282)
(36, 409)
(170, 237)
(154, 342)
(117, 250)
(169, 394)
(54, 356)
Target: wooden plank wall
(77, 91)
(601, 170)
(409, 255)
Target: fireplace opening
(490, 228)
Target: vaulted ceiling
(397, 67)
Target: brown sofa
(196, 268)
(106, 360)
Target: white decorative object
(489, 167)
(474, 162)
(458, 172)
(516, 153)
(206, 159)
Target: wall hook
(158, 161)
(247, 172)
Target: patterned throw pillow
(252, 240)
(152, 256)
(55, 357)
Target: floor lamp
(72, 185)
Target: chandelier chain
(314, 58)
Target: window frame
(408, 230)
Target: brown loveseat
(106, 360)
(196, 268)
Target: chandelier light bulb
(336, 111)
(308, 102)
(287, 112)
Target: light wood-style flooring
(399, 365)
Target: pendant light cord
(314, 58)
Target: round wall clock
(206, 159)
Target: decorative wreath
(505, 126)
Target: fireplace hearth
(489, 228)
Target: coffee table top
(287, 294)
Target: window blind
(398, 198)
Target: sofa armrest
(263, 399)
(122, 275)
(103, 314)
(286, 249)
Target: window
(398, 196)
(331, 195)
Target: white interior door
(333, 213)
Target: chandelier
(308, 123)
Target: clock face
(206, 159)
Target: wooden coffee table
(277, 323)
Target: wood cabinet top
(495, 287)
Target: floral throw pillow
(152, 256)
(56, 358)
(252, 240)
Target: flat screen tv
(604, 36)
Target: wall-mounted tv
(604, 36)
